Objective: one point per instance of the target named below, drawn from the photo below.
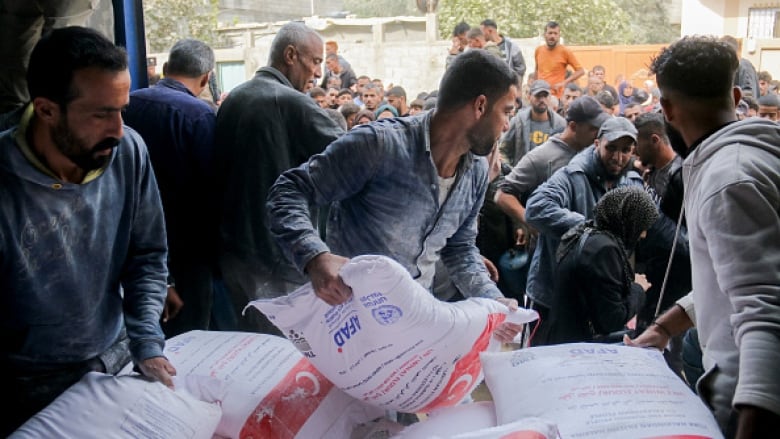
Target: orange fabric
(551, 65)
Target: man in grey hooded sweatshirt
(732, 208)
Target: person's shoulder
(401, 128)
(523, 114)
(558, 119)
(172, 99)
(552, 147)
(132, 138)
(740, 151)
(567, 52)
(581, 160)
(132, 147)
(633, 178)
(601, 243)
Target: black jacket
(592, 292)
(264, 128)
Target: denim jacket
(383, 188)
(567, 199)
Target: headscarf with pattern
(622, 213)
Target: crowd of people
(648, 215)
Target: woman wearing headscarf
(625, 95)
(595, 293)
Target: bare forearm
(674, 321)
(510, 205)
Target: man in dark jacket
(264, 127)
(178, 128)
(568, 199)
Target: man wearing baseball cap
(583, 121)
(568, 198)
(532, 125)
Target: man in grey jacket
(732, 209)
(511, 51)
(531, 126)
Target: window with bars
(763, 22)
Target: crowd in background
(579, 210)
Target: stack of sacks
(268, 389)
(450, 421)
(392, 344)
(101, 406)
(228, 385)
(476, 421)
(596, 390)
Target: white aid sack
(106, 406)
(596, 390)
(269, 389)
(450, 421)
(528, 428)
(392, 344)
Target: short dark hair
(317, 91)
(573, 87)
(651, 123)
(597, 67)
(345, 91)
(364, 113)
(473, 73)
(397, 91)
(697, 67)
(751, 102)
(59, 54)
(489, 23)
(460, 28)
(190, 58)
(731, 41)
(332, 56)
(551, 25)
(474, 33)
(605, 98)
(348, 109)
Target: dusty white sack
(528, 428)
(449, 421)
(392, 344)
(596, 390)
(270, 390)
(104, 406)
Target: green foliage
(168, 21)
(381, 8)
(584, 22)
(649, 21)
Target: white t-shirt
(445, 186)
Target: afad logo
(301, 344)
(345, 332)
